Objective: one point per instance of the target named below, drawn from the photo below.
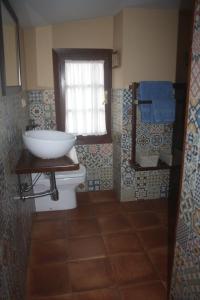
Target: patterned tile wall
(101, 160)
(153, 138)
(186, 272)
(117, 164)
(98, 159)
(15, 216)
(116, 122)
(129, 184)
(42, 108)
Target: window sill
(93, 139)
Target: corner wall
(128, 183)
(186, 271)
(147, 42)
(15, 215)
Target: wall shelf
(161, 166)
(29, 163)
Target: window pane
(84, 96)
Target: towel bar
(138, 102)
(178, 87)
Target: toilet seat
(71, 174)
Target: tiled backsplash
(42, 108)
(186, 274)
(152, 138)
(15, 215)
(128, 183)
(98, 159)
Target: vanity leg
(20, 188)
(53, 187)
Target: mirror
(9, 50)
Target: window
(82, 79)
(85, 97)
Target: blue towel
(162, 109)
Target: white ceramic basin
(147, 161)
(48, 143)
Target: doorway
(182, 79)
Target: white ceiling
(44, 12)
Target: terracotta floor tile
(102, 209)
(90, 274)
(148, 291)
(103, 196)
(114, 223)
(69, 250)
(160, 205)
(163, 217)
(138, 205)
(49, 230)
(159, 258)
(154, 237)
(106, 294)
(62, 297)
(83, 198)
(49, 215)
(92, 247)
(122, 242)
(49, 280)
(82, 212)
(144, 219)
(132, 268)
(48, 252)
(165, 284)
(83, 228)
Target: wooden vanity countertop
(29, 163)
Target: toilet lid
(71, 174)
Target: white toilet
(66, 183)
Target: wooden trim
(93, 139)
(59, 99)
(59, 57)
(194, 4)
(187, 107)
(9, 90)
(2, 58)
(133, 89)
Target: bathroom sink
(48, 143)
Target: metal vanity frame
(28, 164)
